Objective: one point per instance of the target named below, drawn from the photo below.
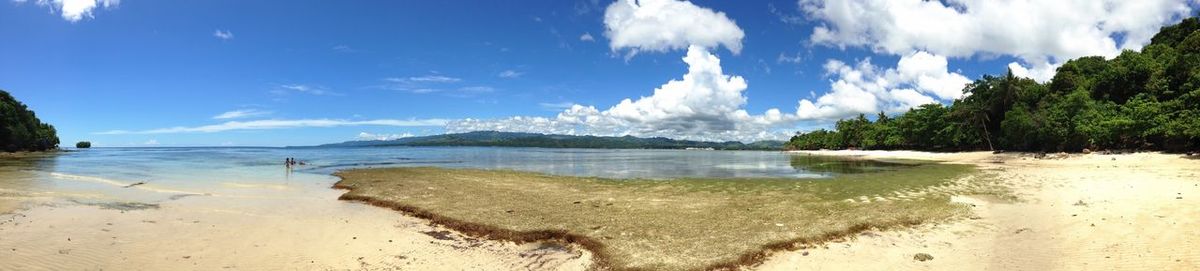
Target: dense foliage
(20, 129)
(83, 144)
(507, 139)
(1138, 100)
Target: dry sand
(1076, 212)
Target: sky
(306, 72)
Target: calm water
(229, 171)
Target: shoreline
(1078, 211)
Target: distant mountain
(507, 139)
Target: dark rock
(923, 257)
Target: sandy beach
(1075, 212)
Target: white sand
(289, 228)
(1083, 212)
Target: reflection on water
(168, 172)
(843, 165)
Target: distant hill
(507, 139)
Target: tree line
(20, 129)
(1148, 100)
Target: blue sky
(177, 73)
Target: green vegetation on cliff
(20, 129)
(1146, 100)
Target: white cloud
(241, 113)
(370, 136)
(281, 124)
(510, 74)
(587, 37)
(1041, 34)
(301, 88)
(426, 79)
(223, 34)
(445, 85)
(929, 74)
(152, 142)
(783, 58)
(705, 104)
(1041, 72)
(663, 25)
(75, 10)
(920, 78)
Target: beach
(75, 212)
(1062, 212)
(1075, 212)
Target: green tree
(20, 129)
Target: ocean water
(172, 172)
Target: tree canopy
(1146, 100)
(20, 129)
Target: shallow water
(171, 173)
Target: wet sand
(1076, 212)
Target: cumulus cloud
(1042, 34)
(665, 25)
(371, 136)
(241, 113)
(863, 88)
(75, 10)
(281, 124)
(706, 104)
(223, 34)
(587, 37)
